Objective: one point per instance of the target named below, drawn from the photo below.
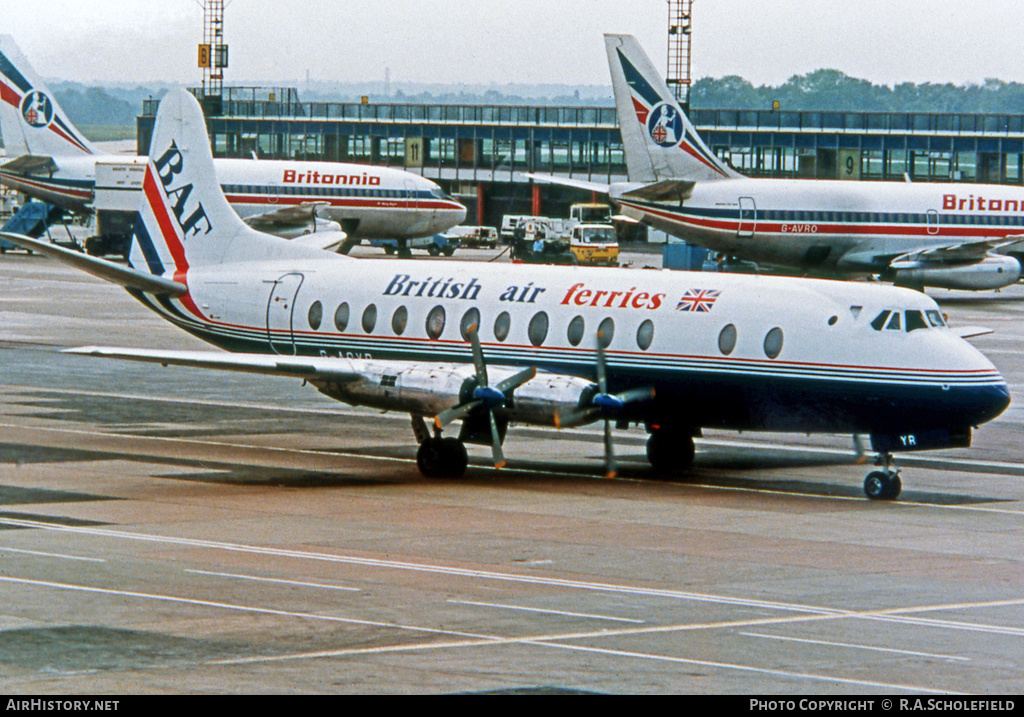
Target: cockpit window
(935, 318)
(910, 320)
(880, 320)
(915, 320)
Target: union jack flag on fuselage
(699, 301)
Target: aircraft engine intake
(994, 272)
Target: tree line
(833, 90)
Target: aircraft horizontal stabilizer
(322, 368)
(667, 190)
(574, 183)
(106, 270)
(31, 164)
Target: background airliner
(53, 162)
(493, 344)
(941, 235)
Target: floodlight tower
(213, 53)
(678, 77)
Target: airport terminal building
(481, 154)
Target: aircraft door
(281, 313)
(748, 217)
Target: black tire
(434, 250)
(670, 452)
(442, 458)
(882, 485)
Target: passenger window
(469, 319)
(400, 320)
(369, 318)
(576, 329)
(538, 329)
(727, 340)
(773, 343)
(502, 325)
(915, 321)
(645, 335)
(316, 315)
(435, 322)
(880, 320)
(341, 318)
(606, 332)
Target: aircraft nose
(990, 402)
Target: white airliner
(563, 346)
(940, 235)
(53, 162)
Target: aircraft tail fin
(31, 121)
(184, 220)
(659, 141)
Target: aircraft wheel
(883, 485)
(670, 452)
(442, 458)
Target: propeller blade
(478, 355)
(499, 456)
(455, 413)
(516, 381)
(602, 369)
(610, 470)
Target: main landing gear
(670, 450)
(884, 484)
(438, 457)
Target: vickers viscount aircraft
(53, 162)
(957, 236)
(490, 345)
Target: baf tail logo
(36, 109)
(168, 166)
(665, 125)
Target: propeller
(607, 405)
(485, 397)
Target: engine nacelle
(994, 272)
(548, 399)
(429, 389)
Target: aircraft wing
(30, 164)
(967, 253)
(310, 368)
(106, 270)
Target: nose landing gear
(884, 484)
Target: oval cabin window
(538, 330)
(435, 322)
(470, 319)
(645, 335)
(316, 315)
(369, 318)
(575, 332)
(502, 325)
(727, 340)
(341, 318)
(773, 343)
(400, 320)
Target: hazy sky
(520, 41)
